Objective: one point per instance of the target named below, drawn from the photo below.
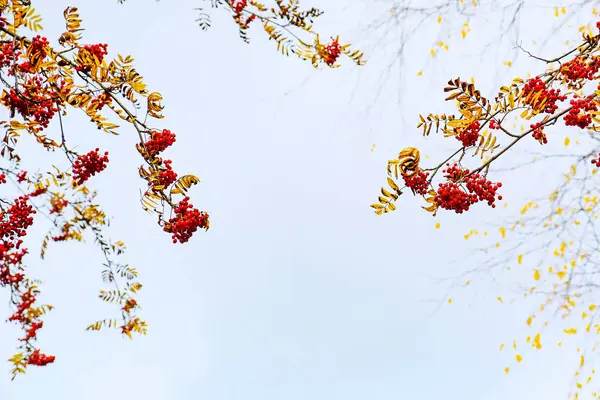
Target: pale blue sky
(298, 291)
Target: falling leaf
(502, 232)
(567, 141)
(439, 20)
(520, 259)
(500, 300)
(501, 346)
(420, 73)
(536, 275)
(506, 370)
(518, 358)
(449, 301)
(571, 331)
(536, 342)
(437, 225)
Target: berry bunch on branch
(40, 84)
(568, 94)
(289, 25)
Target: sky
(298, 291)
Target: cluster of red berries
(186, 221)
(239, 5)
(451, 196)
(417, 182)
(36, 358)
(88, 165)
(159, 141)
(579, 69)
(34, 101)
(8, 54)
(596, 161)
(13, 226)
(538, 132)
(21, 176)
(494, 124)
(332, 52)
(575, 118)
(2, 178)
(469, 135)
(97, 50)
(32, 331)
(548, 97)
(38, 46)
(100, 101)
(166, 176)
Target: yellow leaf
(571, 331)
(561, 274)
(502, 232)
(567, 141)
(518, 358)
(432, 52)
(506, 370)
(501, 346)
(439, 20)
(437, 225)
(520, 259)
(529, 320)
(592, 307)
(536, 275)
(500, 300)
(536, 342)
(449, 301)
(581, 361)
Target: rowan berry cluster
(159, 141)
(538, 132)
(36, 358)
(39, 45)
(546, 97)
(494, 124)
(186, 221)
(596, 161)
(88, 165)
(98, 50)
(580, 69)
(575, 117)
(452, 196)
(332, 51)
(34, 100)
(8, 54)
(238, 5)
(166, 176)
(417, 182)
(469, 135)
